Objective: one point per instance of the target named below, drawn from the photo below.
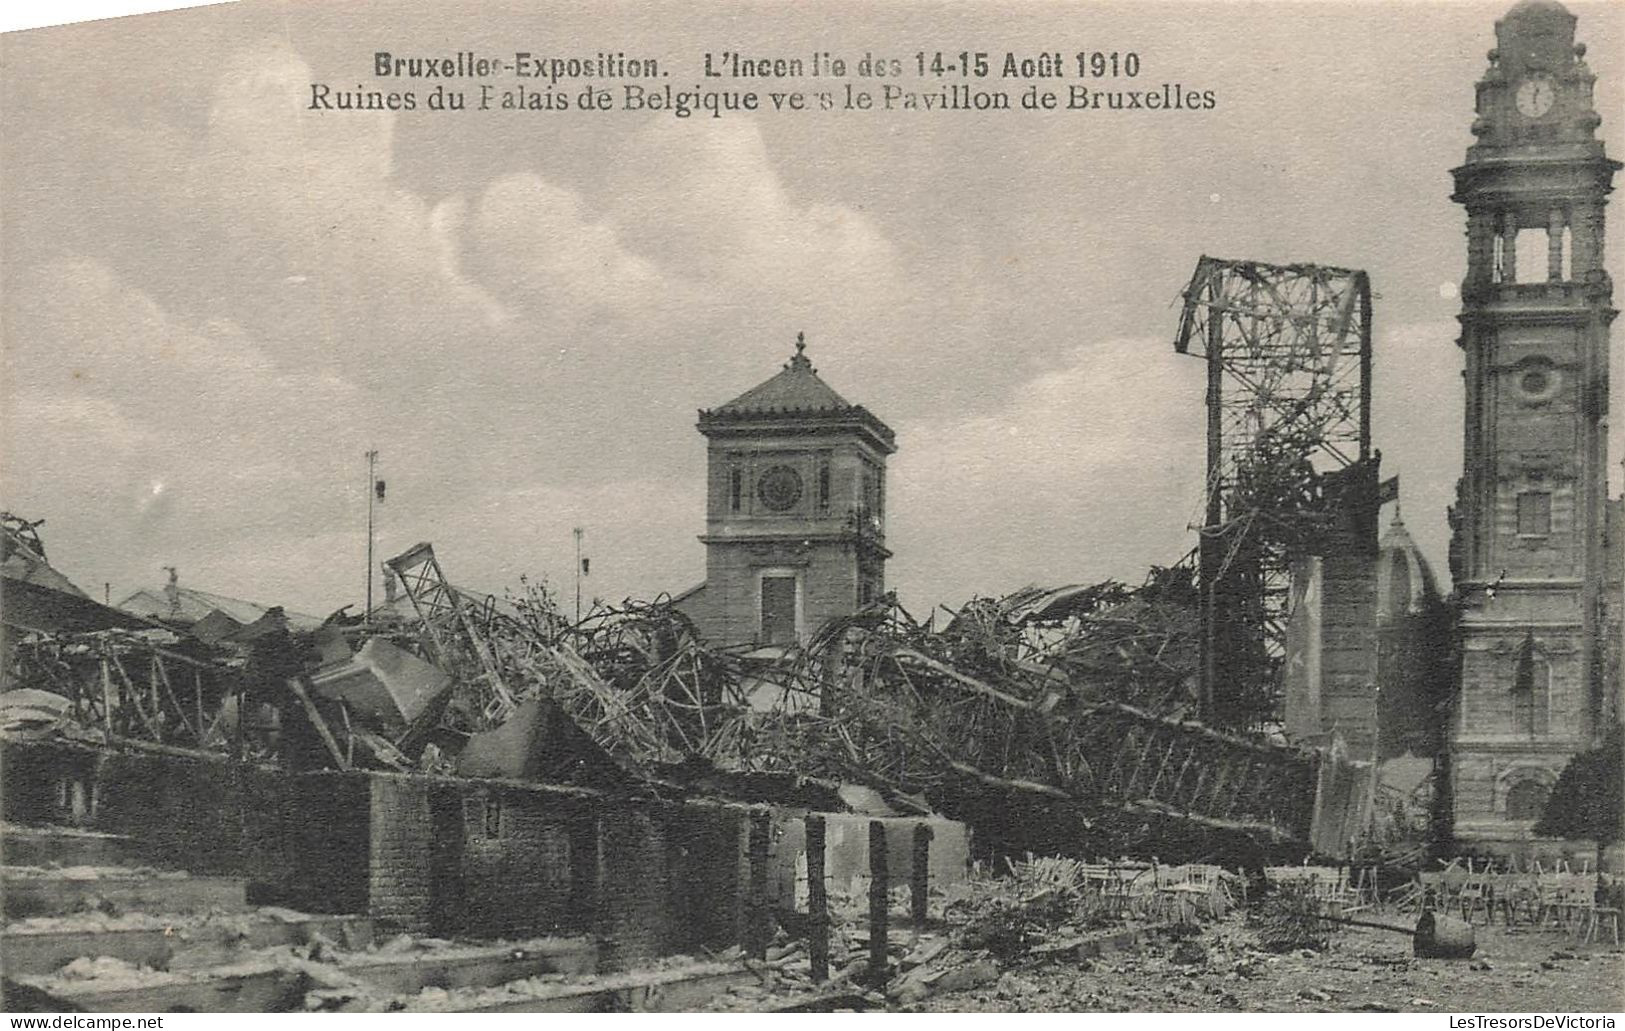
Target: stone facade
(795, 510)
(1330, 682)
(1527, 554)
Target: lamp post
(372, 462)
(578, 532)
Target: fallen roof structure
(1079, 697)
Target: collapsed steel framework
(1079, 699)
(1288, 353)
(125, 686)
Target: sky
(214, 301)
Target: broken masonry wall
(634, 920)
(846, 853)
(707, 851)
(293, 838)
(327, 832)
(485, 858)
(1343, 799)
(453, 856)
(440, 855)
(41, 784)
(400, 862)
(506, 858)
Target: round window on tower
(1536, 380)
(779, 488)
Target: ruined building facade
(795, 510)
(1529, 524)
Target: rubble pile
(1041, 900)
(1078, 697)
(1290, 918)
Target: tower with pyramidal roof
(795, 529)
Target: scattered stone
(970, 975)
(1480, 964)
(924, 954)
(910, 992)
(1314, 994)
(1419, 1001)
(355, 939)
(1249, 969)
(1189, 953)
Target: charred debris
(1051, 721)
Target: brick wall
(435, 855)
(291, 837)
(326, 834)
(516, 862)
(634, 919)
(728, 607)
(489, 859)
(400, 871)
(706, 852)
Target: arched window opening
(1530, 263)
(1526, 800)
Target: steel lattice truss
(1288, 353)
(122, 685)
(1080, 696)
(880, 699)
(1292, 344)
(921, 708)
(455, 641)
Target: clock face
(1537, 380)
(779, 488)
(1536, 96)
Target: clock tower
(795, 510)
(1527, 552)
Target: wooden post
(817, 901)
(157, 703)
(920, 880)
(107, 698)
(879, 900)
(761, 915)
(297, 686)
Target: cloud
(541, 248)
(154, 433)
(713, 207)
(260, 297)
(252, 294)
(1093, 470)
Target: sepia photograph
(858, 506)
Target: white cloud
(542, 247)
(1093, 470)
(712, 207)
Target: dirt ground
(1363, 969)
